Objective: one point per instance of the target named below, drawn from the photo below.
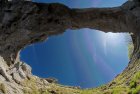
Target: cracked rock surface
(24, 22)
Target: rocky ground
(18, 79)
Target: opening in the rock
(86, 58)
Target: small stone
(17, 77)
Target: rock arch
(24, 22)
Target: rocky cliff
(24, 22)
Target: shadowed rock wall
(23, 23)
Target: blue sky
(84, 57)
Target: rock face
(23, 23)
(11, 76)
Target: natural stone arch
(23, 23)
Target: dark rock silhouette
(24, 22)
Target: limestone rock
(24, 23)
(3, 68)
(26, 69)
(51, 80)
(2, 78)
(17, 77)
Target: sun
(114, 39)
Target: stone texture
(23, 23)
(3, 70)
(51, 80)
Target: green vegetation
(135, 84)
(33, 86)
(116, 88)
(130, 49)
(3, 88)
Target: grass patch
(135, 84)
(31, 87)
(3, 88)
(133, 87)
